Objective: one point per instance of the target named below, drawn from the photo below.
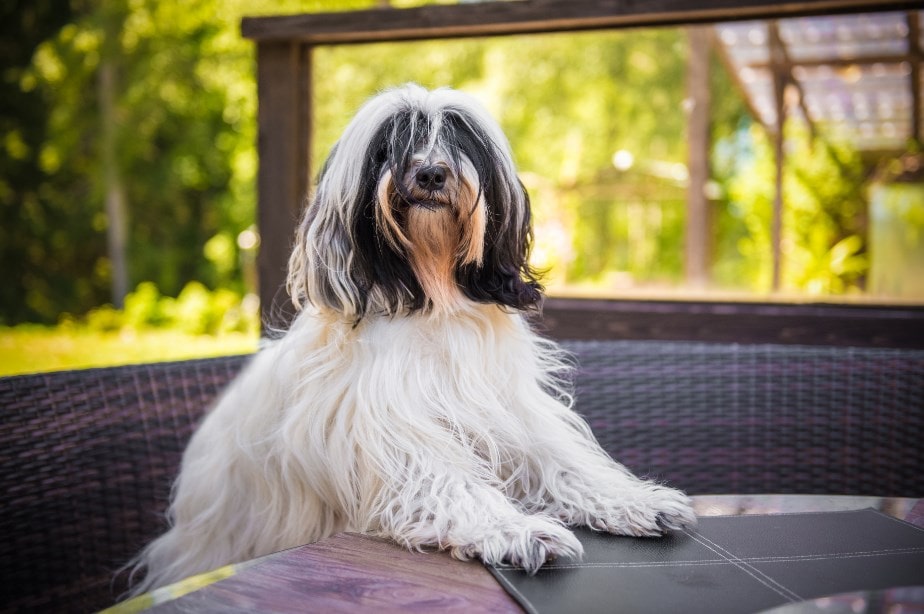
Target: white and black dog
(409, 399)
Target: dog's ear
(320, 267)
(340, 260)
(504, 275)
(379, 260)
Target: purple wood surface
(349, 573)
(916, 515)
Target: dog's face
(432, 210)
(418, 207)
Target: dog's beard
(437, 230)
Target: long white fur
(450, 428)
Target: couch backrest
(86, 462)
(87, 457)
(727, 418)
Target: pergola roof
(854, 77)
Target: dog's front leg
(472, 519)
(582, 486)
(613, 500)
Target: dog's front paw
(674, 509)
(525, 541)
(645, 512)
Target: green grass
(30, 349)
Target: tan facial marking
(437, 238)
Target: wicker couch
(88, 456)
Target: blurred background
(128, 163)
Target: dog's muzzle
(429, 188)
(431, 178)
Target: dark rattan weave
(724, 418)
(87, 457)
(86, 462)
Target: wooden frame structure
(284, 72)
(782, 67)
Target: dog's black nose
(431, 177)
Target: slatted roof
(853, 77)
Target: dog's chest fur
(344, 393)
(458, 370)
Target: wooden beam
(534, 16)
(305, 119)
(283, 81)
(697, 243)
(781, 66)
(776, 221)
(735, 75)
(734, 322)
(867, 60)
(916, 58)
(782, 63)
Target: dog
(409, 399)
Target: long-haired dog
(409, 399)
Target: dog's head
(418, 207)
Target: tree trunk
(698, 215)
(116, 206)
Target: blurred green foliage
(195, 311)
(897, 238)
(824, 245)
(186, 117)
(30, 348)
(567, 102)
(152, 327)
(185, 113)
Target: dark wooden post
(698, 214)
(776, 221)
(283, 117)
(116, 201)
(781, 76)
(916, 57)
